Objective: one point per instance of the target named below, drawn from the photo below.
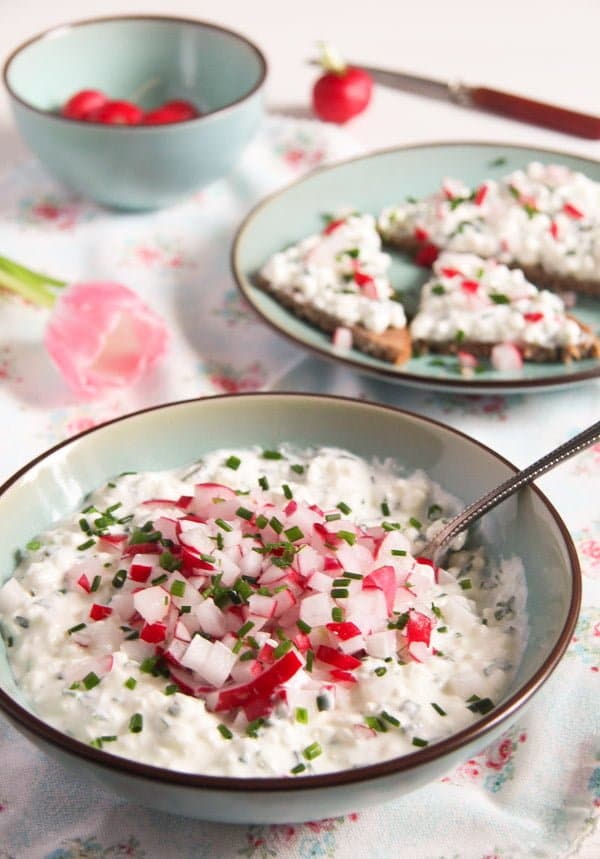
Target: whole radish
(343, 91)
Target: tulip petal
(102, 336)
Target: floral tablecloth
(535, 792)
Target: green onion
(261, 521)
(466, 584)
(76, 628)
(499, 298)
(83, 524)
(263, 482)
(380, 671)
(90, 680)
(385, 508)
(344, 507)
(303, 627)
(310, 658)
(169, 562)
(243, 630)
(276, 524)
(356, 576)
(313, 751)
(244, 513)
(438, 289)
(171, 689)
(333, 517)
(340, 593)
(294, 533)
(341, 583)
(436, 610)
(337, 614)
(252, 729)
(297, 469)
(130, 683)
(302, 715)
(389, 718)
(136, 723)
(442, 629)
(287, 491)
(177, 588)
(415, 523)
(225, 732)
(481, 706)
(160, 579)
(323, 703)
(348, 536)
(225, 526)
(438, 709)
(399, 553)
(299, 768)
(233, 462)
(376, 724)
(417, 741)
(272, 454)
(282, 649)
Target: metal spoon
(437, 546)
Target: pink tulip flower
(101, 335)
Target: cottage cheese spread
(341, 271)
(485, 302)
(262, 613)
(543, 215)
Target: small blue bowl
(161, 58)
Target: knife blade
(491, 100)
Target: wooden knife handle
(536, 112)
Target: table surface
(536, 48)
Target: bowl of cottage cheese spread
(220, 606)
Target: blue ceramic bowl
(526, 525)
(138, 167)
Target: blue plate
(368, 184)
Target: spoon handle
(478, 508)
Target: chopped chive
(299, 768)
(313, 751)
(294, 533)
(75, 685)
(297, 469)
(310, 658)
(233, 462)
(225, 732)
(415, 523)
(340, 593)
(136, 723)
(376, 724)
(76, 628)
(169, 562)
(130, 683)
(438, 289)
(263, 482)
(385, 508)
(261, 521)
(177, 588)
(333, 517)
(337, 614)
(302, 715)
(160, 579)
(287, 491)
(88, 544)
(356, 576)
(119, 578)
(417, 741)
(381, 671)
(499, 298)
(481, 706)
(344, 507)
(390, 526)
(83, 524)
(243, 630)
(244, 513)
(341, 583)
(248, 655)
(276, 524)
(303, 627)
(90, 509)
(96, 584)
(323, 703)
(436, 610)
(466, 584)
(282, 649)
(399, 553)
(225, 526)
(272, 454)
(389, 718)
(185, 609)
(434, 511)
(252, 728)
(442, 629)
(347, 536)
(171, 689)
(438, 709)
(90, 680)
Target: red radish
(421, 234)
(506, 356)
(383, 578)
(554, 231)
(342, 91)
(117, 113)
(83, 104)
(84, 583)
(420, 651)
(427, 255)
(262, 686)
(153, 633)
(152, 603)
(418, 627)
(572, 211)
(171, 111)
(140, 568)
(342, 676)
(344, 630)
(533, 317)
(339, 660)
(333, 225)
(382, 644)
(469, 285)
(466, 360)
(342, 338)
(214, 500)
(99, 612)
(451, 272)
(480, 195)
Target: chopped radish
(315, 610)
(197, 653)
(418, 627)
(420, 651)
(343, 630)
(381, 644)
(12, 596)
(211, 618)
(506, 356)
(383, 578)
(99, 612)
(262, 687)
(212, 500)
(141, 567)
(339, 660)
(154, 633)
(262, 605)
(342, 338)
(152, 603)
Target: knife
(491, 100)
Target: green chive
(169, 562)
(225, 732)
(337, 614)
(438, 289)
(302, 715)
(341, 583)
(233, 462)
(160, 579)
(310, 658)
(136, 723)
(438, 709)
(298, 469)
(272, 454)
(177, 588)
(356, 576)
(303, 627)
(380, 671)
(333, 517)
(481, 706)
(436, 610)
(87, 545)
(276, 524)
(263, 483)
(442, 629)
(287, 491)
(76, 628)
(348, 536)
(171, 689)
(385, 508)
(282, 649)
(389, 718)
(344, 507)
(244, 513)
(299, 768)
(376, 724)
(415, 523)
(294, 533)
(90, 680)
(400, 553)
(313, 751)
(225, 526)
(499, 298)
(243, 630)
(417, 741)
(466, 584)
(252, 728)
(323, 703)
(340, 593)
(130, 683)
(434, 511)
(261, 521)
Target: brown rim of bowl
(404, 763)
(57, 29)
(389, 372)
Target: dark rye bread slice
(590, 348)
(392, 345)
(536, 274)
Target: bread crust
(392, 345)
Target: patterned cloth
(535, 792)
